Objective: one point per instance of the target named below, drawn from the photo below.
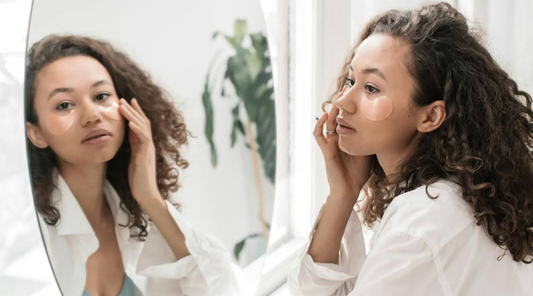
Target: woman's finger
(130, 116)
(318, 132)
(134, 112)
(331, 124)
(136, 106)
(139, 131)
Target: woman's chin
(351, 149)
(95, 159)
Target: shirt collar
(73, 220)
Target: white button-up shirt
(421, 246)
(150, 264)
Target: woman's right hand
(346, 173)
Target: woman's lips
(95, 134)
(97, 140)
(343, 128)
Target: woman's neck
(390, 161)
(87, 186)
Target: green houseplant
(249, 73)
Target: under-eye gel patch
(58, 123)
(377, 109)
(110, 109)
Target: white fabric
(422, 246)
(150, 264)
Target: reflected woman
(439, 139)
(104, 156)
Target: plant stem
(257, 173)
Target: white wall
(173, 41)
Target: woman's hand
(346, 173)
(142, 169)
(346, 176)
(142, 178)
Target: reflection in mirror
(126, 129)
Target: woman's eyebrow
(69, 90)
(100, 82)
(60, 90)
(372, 71)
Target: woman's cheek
(59, 124)
(377, 109)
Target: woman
(103, 166)
(439, 139)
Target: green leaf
(231, 40)
(260, 44)
(239, 29)
(213, 150)
(233, 136)
(253, 63)
(238, 248)
(209, 120)
(249, 70)
(240, 127)
(240, 245)
(235, 112)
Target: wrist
(345, 200)
(153, 204)
(345, 196)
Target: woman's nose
(346, 101)
(90, 113)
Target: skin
(58, 123)
(60, 118)
(376, 109)
(86, 89)
(378, 69)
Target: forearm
(327, 239)
(163, 220)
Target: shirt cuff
(207, 255)
(327, 278)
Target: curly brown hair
(168, 128)
(485, 143)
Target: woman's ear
(431, 117)
(35, 135)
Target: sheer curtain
(505, 26)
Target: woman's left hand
(142, 169)
(143, 181)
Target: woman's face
(75, 99)
(376, 103)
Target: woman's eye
(371, 89)
(63, 106)
(349, 81)
(102, 96)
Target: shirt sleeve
(399, 264)
(208, 270)
(311, 278)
